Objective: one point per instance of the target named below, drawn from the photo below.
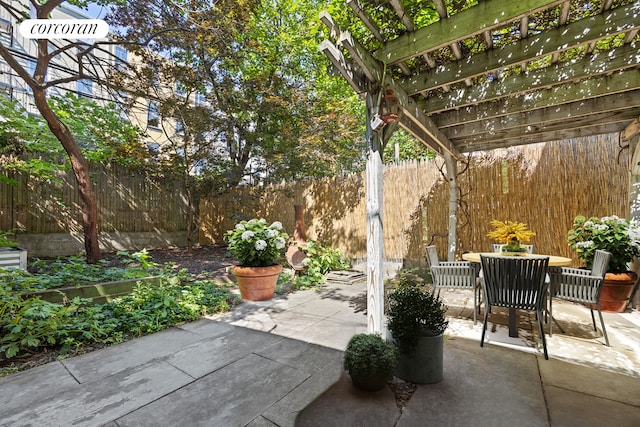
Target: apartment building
(142, 112)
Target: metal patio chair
(516, 283)
(581, 286)
(454, 274)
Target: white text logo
(64, 29)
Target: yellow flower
(504, 232)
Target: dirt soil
(212, 259)
(203, 258)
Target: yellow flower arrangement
(505, 232)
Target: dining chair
(581, 286)
(453, 274)
(498, 248)
(516, 283)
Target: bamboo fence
(544, 185)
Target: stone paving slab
(571, 408)
(344, 405)
(232, 396)
(98, 364)
(17, 391)
(284, 412)
(491, 387)
(99, 402)
(307, 357)
(206, 356)
(595, 382)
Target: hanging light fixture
(389, 107)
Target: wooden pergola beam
(468, 147)
(375, 73)
(606, 104)
(621, 58)
(559, 125)
(554, 41)
(485, 16)
(614, 85)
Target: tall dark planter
(425, 364)
(616, 291)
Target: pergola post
(632, 134)
(452, 176)
(375, 238)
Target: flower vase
(257, 283)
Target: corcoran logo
(64, 29)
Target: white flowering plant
(616, 235)
(255, 243)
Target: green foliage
(30, 325)
(74, 271)
(413, 310)
(29, 146)
(5, 241)
(369, 354)
(409, 148)
(618, 236)
(320, 260)
(255, 243)
(269, 93)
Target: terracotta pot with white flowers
(257, 246)
(621, 238)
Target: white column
(452, 176)
(375, 239)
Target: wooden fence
(544, 185)
(128, 201)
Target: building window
(179, 127)
(121, 101)
(31, 69)
(180, 90)
(122, 57)
(6, 33)
(153, 116)
(200, 99)
(85, 88)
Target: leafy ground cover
(36, 331)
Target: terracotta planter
(257, 283)
(616, 291)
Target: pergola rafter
(474, 76)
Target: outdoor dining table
(554, 261)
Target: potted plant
(11, 256)
(511, 234)
(370, 361)
(416, 321)
(257, 246)
(621, 238)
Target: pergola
(474, 75)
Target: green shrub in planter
(416, 320)
(413, 310)
(370, 361)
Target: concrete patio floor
(279, 363)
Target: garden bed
(98, 292)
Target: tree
(88, 66)
(27, 144)
(271, 108)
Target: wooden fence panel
(128, 201)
